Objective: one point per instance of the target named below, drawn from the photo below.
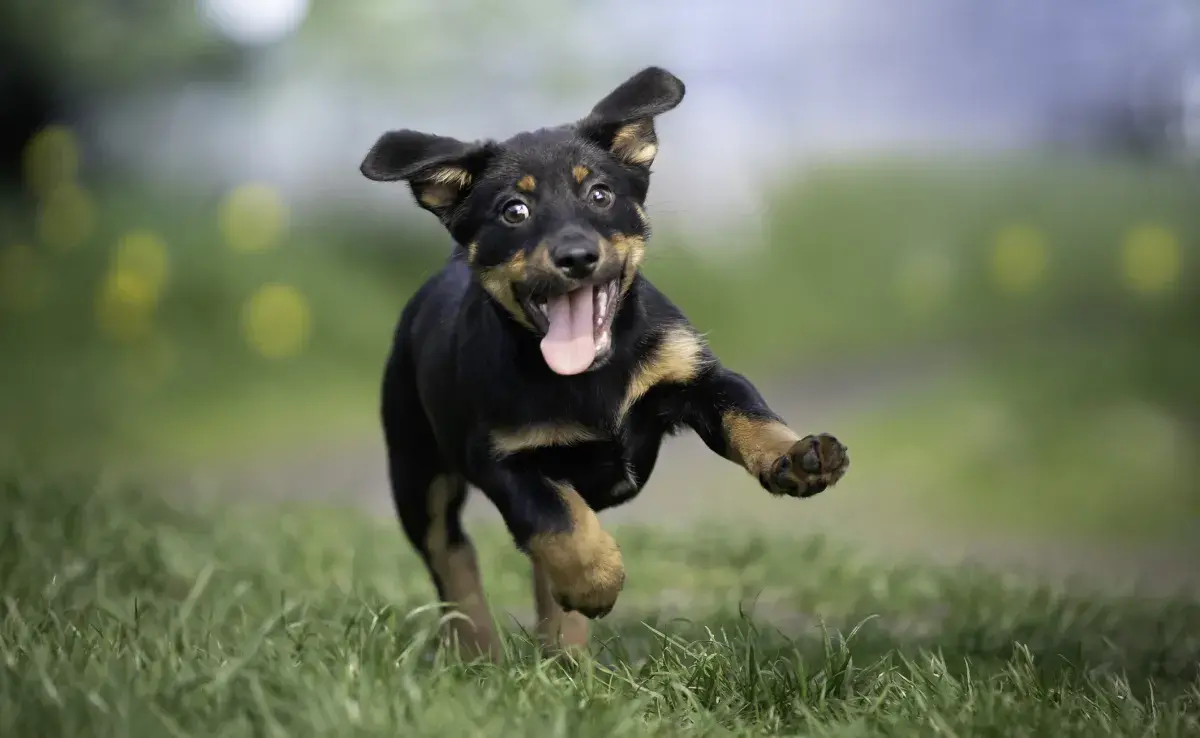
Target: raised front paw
(811, 465)
(585, 569)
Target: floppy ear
(623, 122)
(439, 170)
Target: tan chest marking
(509, 441)
(677, 359)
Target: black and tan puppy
(540, 366)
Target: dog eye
(514, 212)
(600, 196)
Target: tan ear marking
(450, 175)
(634, 142)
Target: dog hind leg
(429, 506)
(429, 502)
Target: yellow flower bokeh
(276, 321)
(253, 217)
(1019, 258)
(145, 254)
(125, 305)
(1150, 260)
(51, 159)
(66, 217)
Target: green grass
(124, 615)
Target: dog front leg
(732, 418)
(577, 564)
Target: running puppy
(540, 366)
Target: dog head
(552, 220)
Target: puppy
(541, 367)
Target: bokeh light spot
(276, 321)
(253, 217)
(22, 279)
(1150, 259)
(126, 304)
(66, 218)
(1019, 257)
(256, 21)
(51, 159)
(145, 254)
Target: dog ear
(623, 122)
(439, 170)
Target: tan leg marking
(557, 628)
(781, 460)
(458, 572)
(756, 443)
(506, 442)
(583, 565)
(676, 358)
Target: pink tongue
(569, 347)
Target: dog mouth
(576, 326)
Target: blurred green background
(993, 302)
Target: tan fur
(506, 442)
(677, 358)
(438, 195)
(643, 154)
(634, 142)
(631, 250)
(580, 173)
(557, 628)
(756, 443)
(498, 281)
(472, 251)
(540, 259)
(441, 187)
(583, 565)
(527, 183)
(457, 570)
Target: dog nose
(577, 260)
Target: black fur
(463, 364)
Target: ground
(124, 615)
